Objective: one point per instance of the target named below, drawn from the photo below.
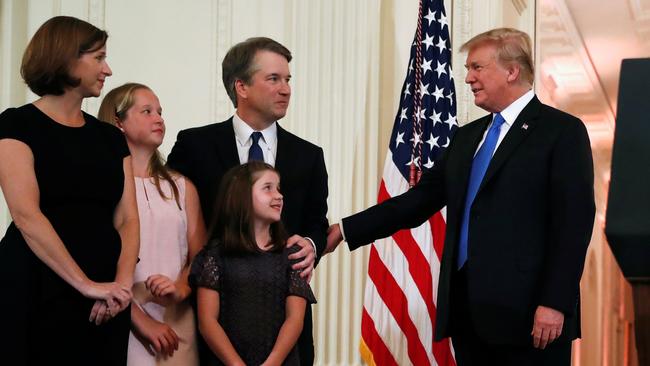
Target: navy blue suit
(204, 154)
(530, 224)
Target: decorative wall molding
(520, 5)
(96, 15)
(220, 105)
(640, 10)
(462, 31)
(56, 7)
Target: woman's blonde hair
(114, 108)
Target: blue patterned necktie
(255, 151)
(479, 167)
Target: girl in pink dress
(171, 233)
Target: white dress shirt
(509, 114)
(268, 143)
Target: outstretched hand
(334, 238)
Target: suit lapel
(226, 146)
(520, 129)
(467, 140)
(469, 143)
(283, 152)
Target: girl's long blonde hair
(114, 108)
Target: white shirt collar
(511, 112)
(243, 132)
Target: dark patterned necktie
(255, 151)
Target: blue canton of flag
(429, 96)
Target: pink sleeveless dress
(163, 250)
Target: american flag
(399, 310)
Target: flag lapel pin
(525, 126)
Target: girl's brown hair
(233, 225)
(114, 108)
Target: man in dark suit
(256, 76)
(518, 186)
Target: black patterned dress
(253, 289)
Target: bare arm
(20, 188)
(211, 330)
(126, 222)
(289, 332)
(152, 333)
(196, 235)
(179, 290)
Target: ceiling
(581, 45)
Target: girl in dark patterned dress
(251, 303)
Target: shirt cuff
(313, 245)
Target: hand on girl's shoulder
(293, 249)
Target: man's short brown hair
(238, 63)
(512, 45)
(48, 58)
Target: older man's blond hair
(512, 46)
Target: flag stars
(435, 117)
(438, 93)
(451, 98)
(429, 163)
(426, 66)
(441, 68)
(443, 21)
(403, 115)
(414, 160)
(426, 104)
(442, 45)
(428, 40)
(399, 139)
(421, 114)
(407, 90)
(424, 90)
(416, 140)
(431, 17)
(451, 121)
(433, 141)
